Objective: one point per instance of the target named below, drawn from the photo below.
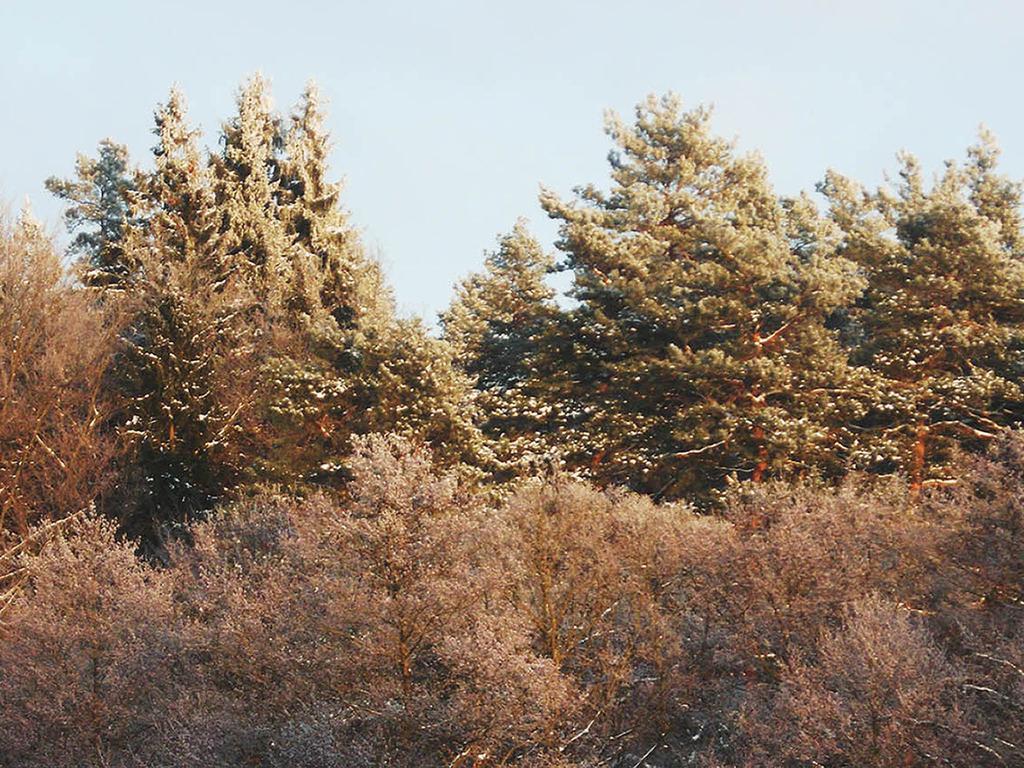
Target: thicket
(413, 623)
(751, 497)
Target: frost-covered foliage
(56, 451)
(718, 332)
(500, 327)
(940, 326)
(415, 623)
(366, 545)
(258, 338)
(702, 345)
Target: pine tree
(499, 325)
(702, 351)
(100, 199)
(941, 324)
(167, 375)
(332, 286)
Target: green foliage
(99, 210)
(941, 322)
(499, 326)
(425, 583)
(259, 337)
(702, 300)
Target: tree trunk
(920, 449)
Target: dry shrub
(414, 623)
(434, 644)
(87, 655)
(876, 691)
(55, 446)
(594, 574)
(804, 553)
(319, 634)
(977, 610)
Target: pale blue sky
(447, 115)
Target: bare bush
(87, 654)
(874, 692)
(56, 447)
(412, 622)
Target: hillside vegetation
(750, 494)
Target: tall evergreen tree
(941, 324)
(342, 362)
(499, 325)
(180, 195)
(248, 172)
(99, 209)
(186, 369)
(175, 416)
(330, 259)
(701, 314)
(408, 383)
(333, 288)
(260, 337)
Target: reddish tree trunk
(920, 449)
(762, 456)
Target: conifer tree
(261, 337)
(704, 353)
(409, 384)
(277, 216)
(248, 192)
(499, 325)
(314, 363)
(180, 196)
(99, 199)
(334, 289)
(330, 257)
(173, 417)
(341, 362)
(186, 370)
(941, 324)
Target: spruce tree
(408, 383)
(702, 351)
(186, 370)
(499, 325)
(941, 324)
(179, 200)
(248, 193)
(330, 258)
(311, 405)
(260, 336)
(172, 417)
(272, 202)
(99, 209)
(341, 362)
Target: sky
(448, 116)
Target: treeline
(245, 334)
(747, 495)
(714, 333)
